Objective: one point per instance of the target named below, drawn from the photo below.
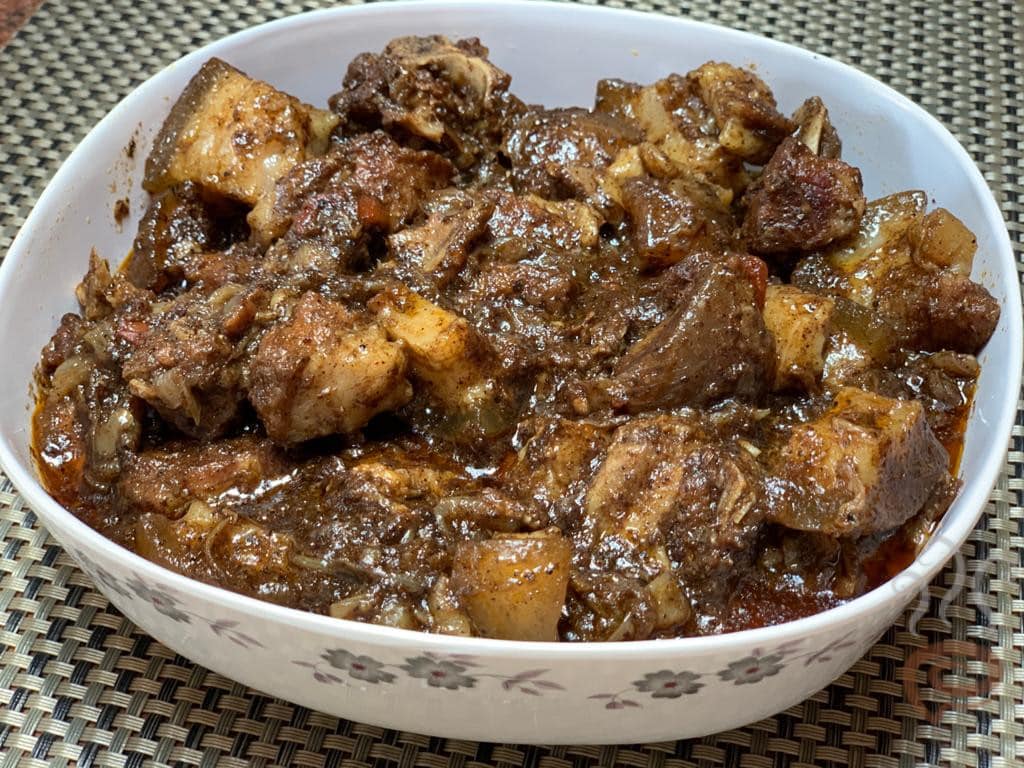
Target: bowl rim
(970, 501)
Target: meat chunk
(866, 466)
(895, 267)
(178, 226)
(799, 322)
(562, 153)
(802, 202)
(451, 359)
(664, 482)
(672, 219)
(816, 131)
(749, 123)
(367, 184)
(679, 125)
(324, 371)
(714, 344)
(165, 480)
(513, 587)
(429, 87)
(530, 227)
(438, 249)
(234, 135)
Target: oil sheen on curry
(439, 359)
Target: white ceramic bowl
(486, 689)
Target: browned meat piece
(866, 466)
(178, 226)
(673, 219)
(185, 358)
(910, 272)
(368, 186)
(234, 135)
(165, 480)
(431, 88)
(713, 345)
(526, 226)
(941, 310)
(438, 249)
(663, 483)
(324, 371)
(562, 153)
(802, 202)
(749, 124)
(681, 133)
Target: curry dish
(439, 359)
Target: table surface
(80, 685)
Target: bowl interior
(550, 52)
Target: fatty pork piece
(367, 183)
(801, 202)
(325, 371)
(707, 123)
(513, 586)
(673, 219)
(179, 227)
(184, 356)
(712, 345)
(668, 497)
(800, 323)
(912, 271)
(563, 153)
(529, 227)
(865, 467)
(451, 360)
(444, 93)
(234, 135)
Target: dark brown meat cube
(673, 219)
(713, 345)
(802, 202)
(749, 123)
(866, 466)
(561, 153)
(65, 342)
(939, 310)
(431, 88)
(526, 226)
(178, 226)
(166, 480)
(325, 371)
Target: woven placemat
(80, 685)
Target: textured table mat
(80, 685)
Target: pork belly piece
(802, 202)
(910, 270)
(165, 480)
(800, 324)
(444, 92)
(324, 371)
(452, 361)
(234, 135)
(865, 467)
(673, 219)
